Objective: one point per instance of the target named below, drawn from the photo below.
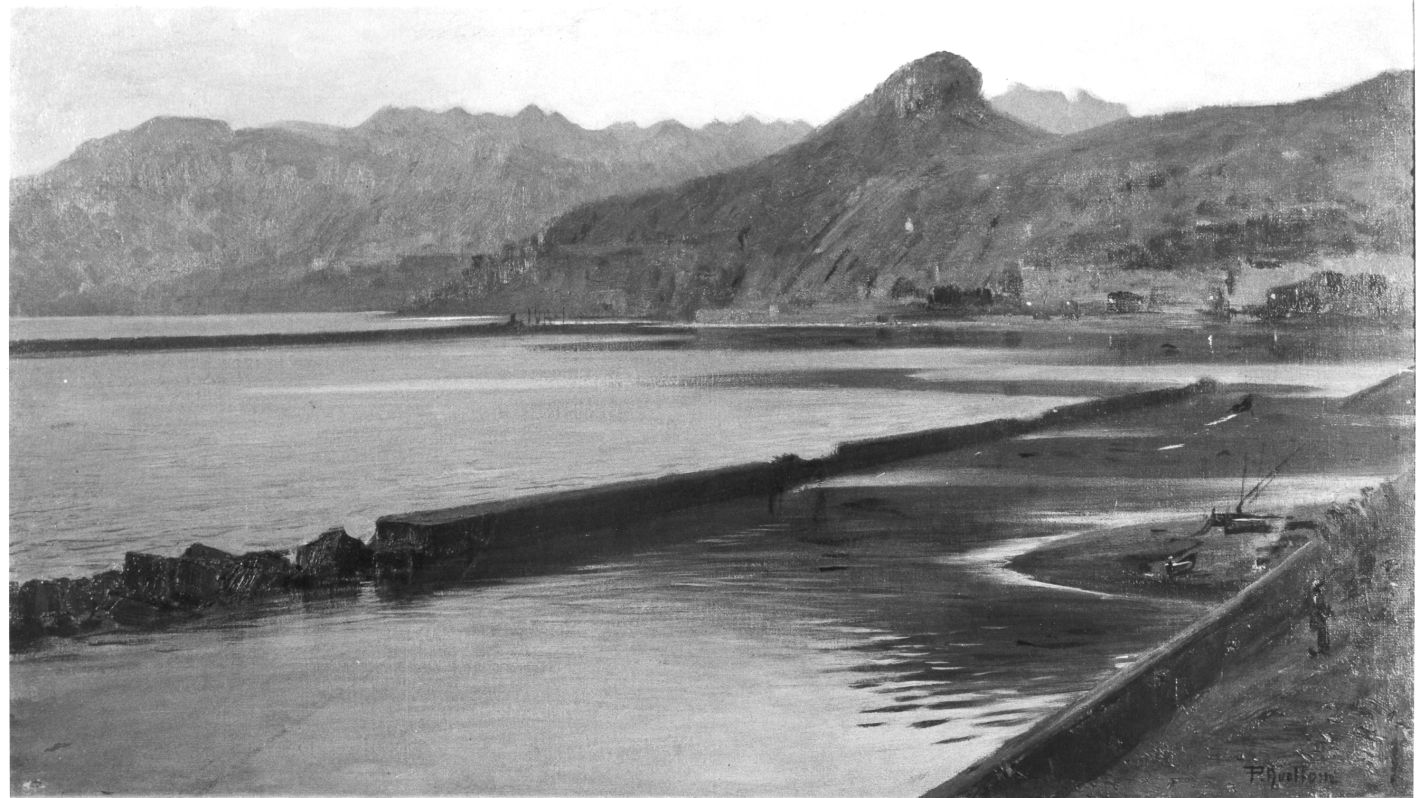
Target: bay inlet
(739, 654)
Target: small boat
(1239, 521)
(1179, 566)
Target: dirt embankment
(1278, 718)
(1289, 722)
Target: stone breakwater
(151, 589)
(1081, 741)
(474, 540)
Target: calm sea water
(735, 657)
(245, 449)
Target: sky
(83, 71)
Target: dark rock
(196, 581)
(204, 553)
(397, 559)
(41, 607)
(24, 620)
(59, 606)
(77, 601)
(148, 577)
(130, 612)
(24, 630)
(104, 583)
(199, 574)
(333, 554)
(44, 597)
(17, 609)
(257, 572)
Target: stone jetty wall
(1081, 741)
(456, 540)
(452, 543)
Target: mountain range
(1055, 112)
(923, 183)
(184, 215)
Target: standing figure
(1317, 613)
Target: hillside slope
(922, 183)
(186, 215)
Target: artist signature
(1273, 776)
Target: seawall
(454, 541)
(1081, 741)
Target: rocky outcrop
(940, 83)
(333, 555)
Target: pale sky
(81, 72)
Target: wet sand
(1332, 452)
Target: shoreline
(911, 324)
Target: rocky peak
(393, 118)
(157, 135)
(185, 126)
(939, 83)
(670, 128)
(531, 113)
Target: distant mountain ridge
(189, 215)
(924, 183)
(1055, 112)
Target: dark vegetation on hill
(188, 215)
(923, 183)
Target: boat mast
(1267, 480)
(1242, 489)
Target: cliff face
(1053, 111)
(184, 215)
(924, 183)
